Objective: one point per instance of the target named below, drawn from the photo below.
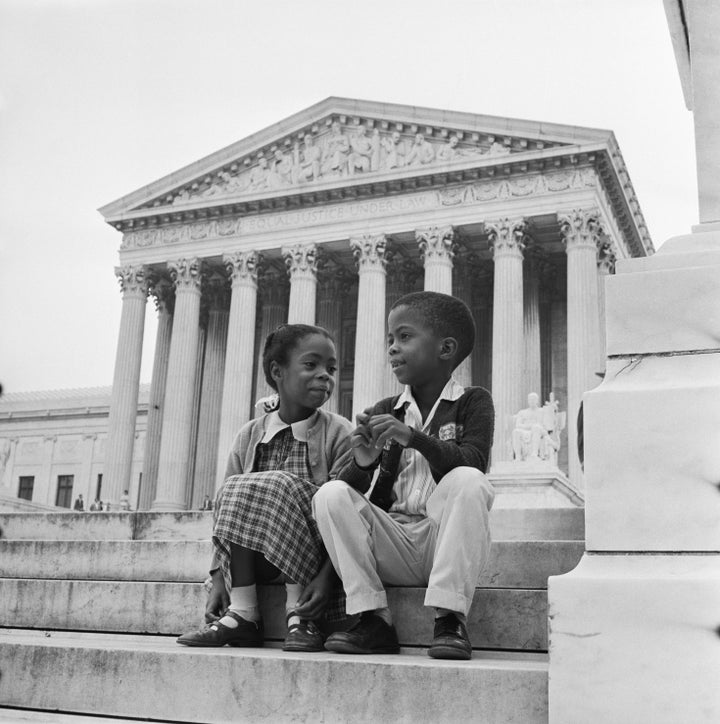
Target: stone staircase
(90, 605)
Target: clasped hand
(373, 432)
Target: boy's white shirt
(415, 482)
(274, 425)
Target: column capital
(436, 242)
(243, 266)
(369, 251)
(301, 259)
(507, 237)
(186, 274)
(133, 279)
(580, 228)
(163, 292)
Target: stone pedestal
(634, 629)
(527, 484)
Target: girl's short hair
(280, 343)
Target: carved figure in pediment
(259, 176)
(361, 152)
(307, 160)
(421, 152)
(281, 170)
(497, 149)
(395, 151)
(337, 148)
(448, 151)
(182, 198)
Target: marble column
(301, 263)
(462, 289)
(164, 293)
(606, 267)
(211, 395)
(531, 329)
(368, 379)
(437, 249)
(580, 230)
(401, 275)
(334, 282)
(126, 381)
(507, 240)
(237, 387)
(274, 294)
(171, 493)
(44, 479)
(481, 299)
(85, 483)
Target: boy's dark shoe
(450, 639)
(303, 636)
(247, 633)
(368, 635)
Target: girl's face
(308, 378)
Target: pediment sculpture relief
(339, 153)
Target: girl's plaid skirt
(271, 512)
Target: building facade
(328, 217)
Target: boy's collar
(452, 391)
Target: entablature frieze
(459, 203)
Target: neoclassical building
(329, 216)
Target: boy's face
(415, 350)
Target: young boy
(426, 522)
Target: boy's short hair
(447, 316)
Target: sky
(101, 97)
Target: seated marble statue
(535, 434)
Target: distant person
(264, 526)
(106, 506)
(426, 520)
(95, 506)
(125, 501)
(207, 503)
(79, 503)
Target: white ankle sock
(292, 591)
(243, 602)
(384, 614)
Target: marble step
(151, 677)
(506, 524)
(20, 716)
(500, 618)
(512, 564)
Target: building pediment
(342, 143)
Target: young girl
(263, 517)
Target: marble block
(634, 638)
(532, 484)
(666, 310)
(652, 455)
(689, 250)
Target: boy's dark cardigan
(461, 433)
